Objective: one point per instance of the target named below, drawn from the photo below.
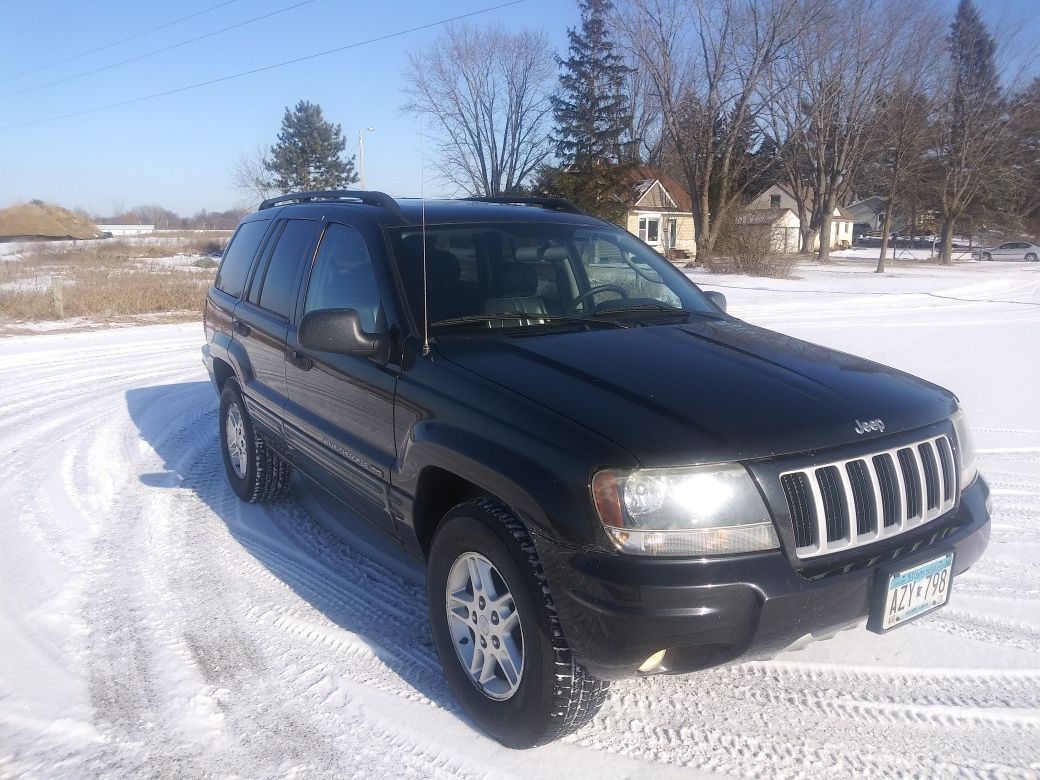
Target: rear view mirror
(717, 298)
(340, 331)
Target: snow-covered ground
(151, 624)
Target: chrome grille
(850, 503)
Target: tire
(256, 472)
(1031, 258)
(551, 695)
(987, 256)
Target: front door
(340, 414)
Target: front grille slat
(862, 497)
(931, 473)
(799, 499)
(849, 503)
(946, 462)
(835, 507)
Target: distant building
(126, 230)
(779, 197)
(660, 212)
(781, 224)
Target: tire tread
(577, 695)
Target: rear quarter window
(238, 257)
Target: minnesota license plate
(917, 590)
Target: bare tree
(843, 65)
(486, 94)
(706, 61)
(250, 177)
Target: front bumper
(616, 610)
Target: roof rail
(553, 204)
(369, 197)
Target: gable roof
(874, 202)
(642, 179)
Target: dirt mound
(44, 220)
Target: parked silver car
(1009, 250)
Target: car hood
(706, 391)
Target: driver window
(343, 277)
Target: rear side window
(234, 268)
(294, 248)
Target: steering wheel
(572, 307)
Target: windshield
(535, 273)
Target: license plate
(917, 590)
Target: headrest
(555, 253)
(527, 254)
(442, 267)
(518, 279)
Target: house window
(649, 229)
(774, 201)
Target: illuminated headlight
(965, 448)
(698, 510)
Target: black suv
(607, 474)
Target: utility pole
(361, 152)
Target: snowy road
(150, 624)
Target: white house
(778, 197)
(660, 213)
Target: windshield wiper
(543, 319)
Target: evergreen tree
(592, 110)
(309, 152)
(973, 128)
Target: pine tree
(309, 152)
(973, 131)
(591, 111)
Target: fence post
(58, 292)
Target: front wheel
(1031, 258)
(497, 635)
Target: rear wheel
(255, 471)
(1031, 257)
(987, 256)
(497, 635)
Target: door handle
(240, 327)
(300, 360)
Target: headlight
(698, 510)
(965, 448)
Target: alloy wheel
(235, 435)
(485, 626)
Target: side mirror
(717, 298)
(340, 331)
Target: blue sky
(177, 150)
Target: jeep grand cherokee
(607, 475)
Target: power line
(262, 69)
(133, 37)
(155, 51)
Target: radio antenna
(422, 206)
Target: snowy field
(152, 625)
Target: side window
(289, 256)
(343, 277)
(234, 268)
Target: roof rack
(369, 197)
(553, 204)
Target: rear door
(340, 413)
(261, 319)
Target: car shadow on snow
(345, 568)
